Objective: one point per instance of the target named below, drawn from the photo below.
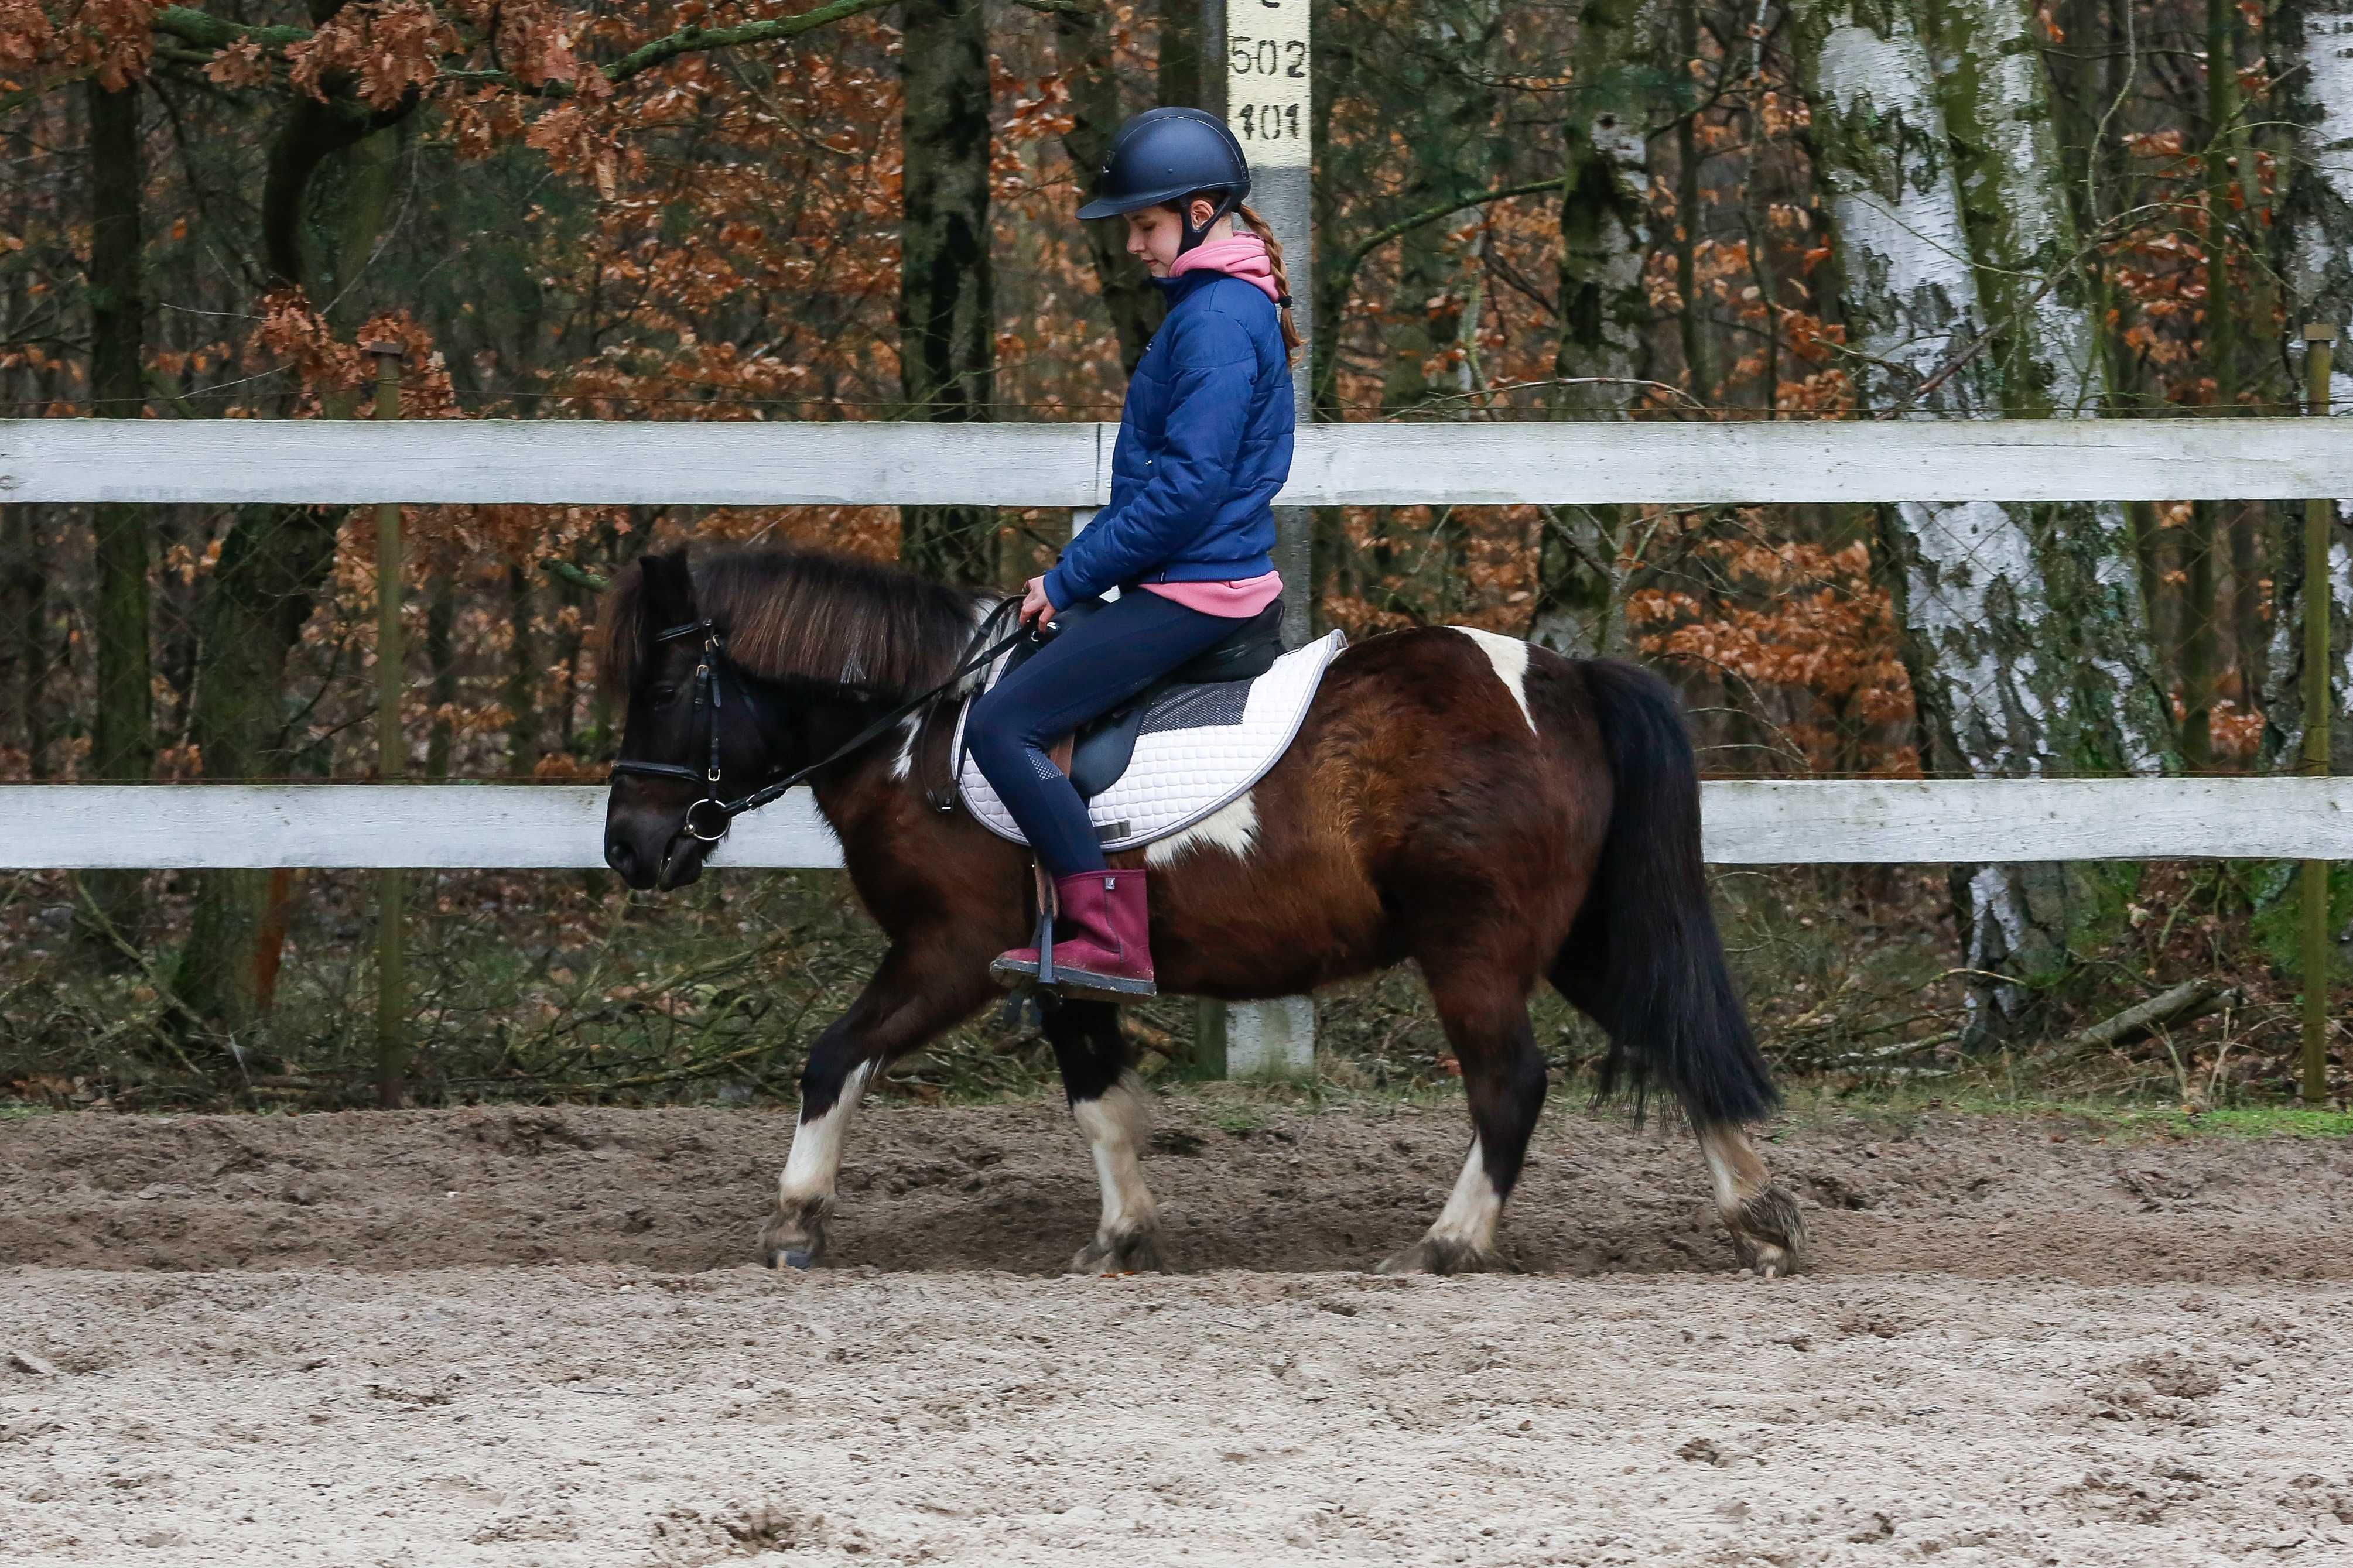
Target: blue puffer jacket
(1204, 444)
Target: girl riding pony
(1204, 445)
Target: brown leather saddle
(1099, 752)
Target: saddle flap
(1104, 749)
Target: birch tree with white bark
(1604, 233)
(2314, 242)
(2022, 630)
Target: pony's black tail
(1643, 958)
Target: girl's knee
(986, 722)
(992, 729)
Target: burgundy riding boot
(1102, 948)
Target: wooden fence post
(1262, 86)
(1248, 1039)
(2320, 519)
(392, 762)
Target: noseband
(716, 811)
(706, 708)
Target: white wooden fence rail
(90, 827)
(768, 463)
(763, 462)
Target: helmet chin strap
(1193, 237)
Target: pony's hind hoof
(797, 1257)
(1769, 1234)
(1435, 1255)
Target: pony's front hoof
(1769, 1234)
(1435, 1255)
(794, 1237)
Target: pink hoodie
(1243, 256)
(1239, 255)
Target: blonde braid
(1258, 227)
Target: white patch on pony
(1113, 1127)
(904, 767)
(816, 1159)
(1472, 1209)
(983, 605)
(1510, 657)
(1232, 828)
(1732, 1167)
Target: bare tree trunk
(2091, 77)
(122, 738)
(272, 565)
(2200, 638)
(441, 660)
(1177, 70)
(2202, 607)
(1972, 583)
(24, 620)
(24, 589)
(946, 315)
(2045, 362)
(524, 747)
(1604, 236)
(1690, 330)
(1083, 48)
(1452, 135)
(2315, 238)
(271, 569)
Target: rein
(707, 673)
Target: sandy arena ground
(529, 1337)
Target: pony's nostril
(620, 857)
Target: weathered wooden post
(391, 762)
(1265, 93)
(2319, 520)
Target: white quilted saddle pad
(1201, 747)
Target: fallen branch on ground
(2186, 1003)
(1873, 1059)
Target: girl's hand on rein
(1036, 608)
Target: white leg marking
(1113, 1127)
(1732, 1167)
(816, 1159)
(1472, 1208)
(1510, 657)
(1232, 828)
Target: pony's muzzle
(651, 854)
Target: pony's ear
(670, 592)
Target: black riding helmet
(1163, 155)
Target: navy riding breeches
(1089, 668)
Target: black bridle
(712, 670)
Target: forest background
(1611, 209)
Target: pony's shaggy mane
(807, 616)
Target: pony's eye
(664, 693)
